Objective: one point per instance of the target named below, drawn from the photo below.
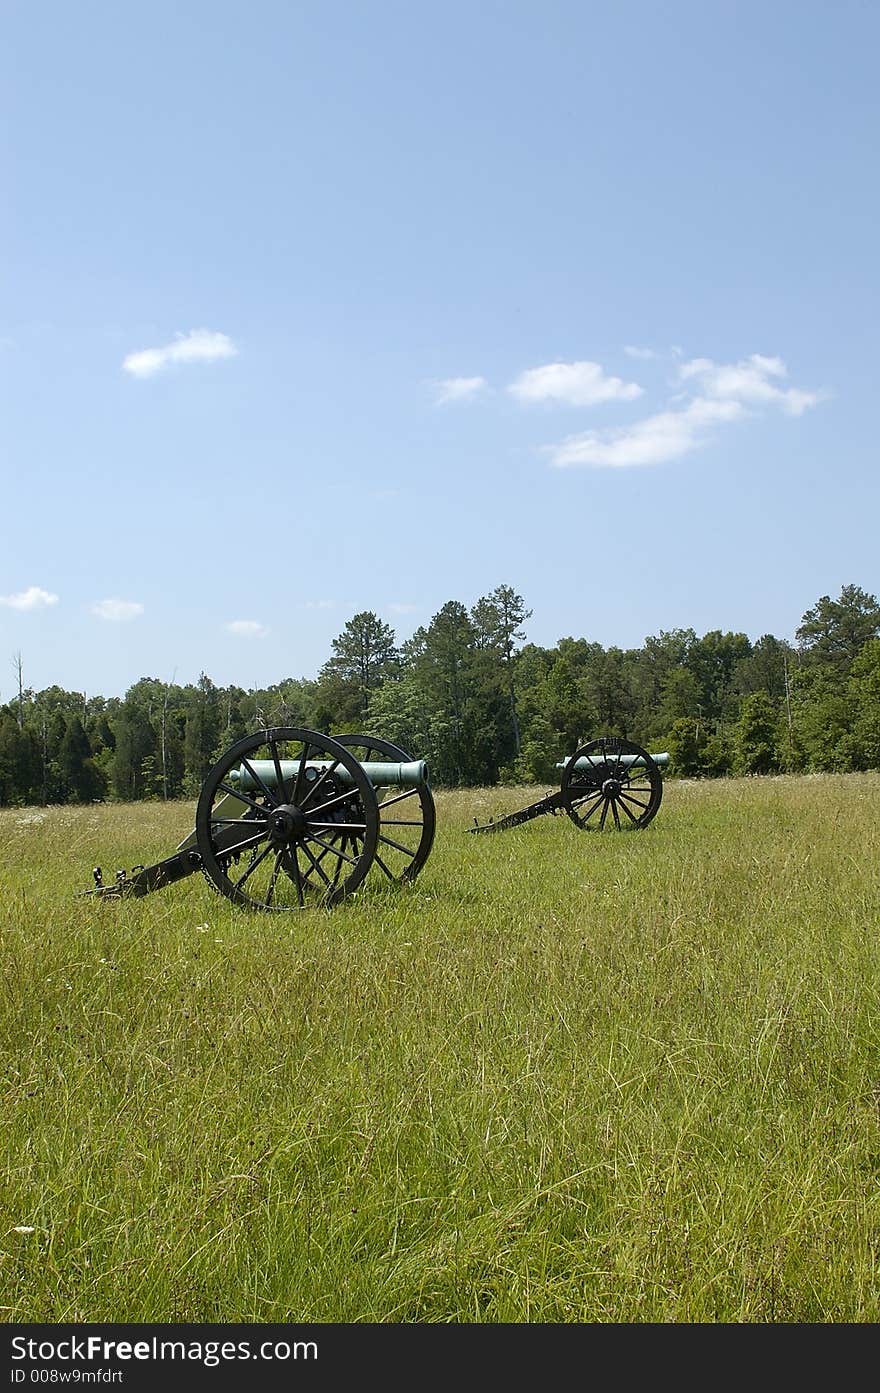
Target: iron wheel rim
(310, 869)
(400, 855)
(610, 794)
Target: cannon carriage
(609, 783)
(289, 818)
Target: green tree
(80, 779)
(231, 722)
(659, 656)
(755, 736)
(20, 774)
(463, 708)
(766, 668)
(201, 732)
(608, 683)
(713, 660)
(52, 729)
(864, 692)
(822, 711)
(568, 705)
(441, 659)
(399, 712)
(717, 755)
(364, 655)
(834, 631)
(498, 621)
(290, 702)
(539, 757)
(679, 697)
(686, 748)
(539, 741)
(135, 741)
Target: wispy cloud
(32, 598)
(572, 384)
(754, 380)
(318, 604)
(198, 346)
(459, 389)
(117, 611)
(247, 628)
(643, 354)
(401, 607)
(665, 436)
(726, 393)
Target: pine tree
(834, 631)
(364, 655)
(498, 619)
(80, 779)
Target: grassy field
(564, 1077)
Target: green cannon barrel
(628, 761)
(413, 774)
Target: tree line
(482, 705)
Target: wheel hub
(287, 824)
(611, 788)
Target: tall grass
(564, 1077)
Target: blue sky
(311, 309)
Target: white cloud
(572, 384)
(32, 598)
(754, 380)
(117, 611)
(317, 604)
(459, 389)
(198, 346)
(666, 436)
(725, 392)
(642, 353)
(247, 628)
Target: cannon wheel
(293, 859)
(610, 794)
(407, 819)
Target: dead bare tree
(17, 666)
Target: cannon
(289, 818)
(607, 784)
